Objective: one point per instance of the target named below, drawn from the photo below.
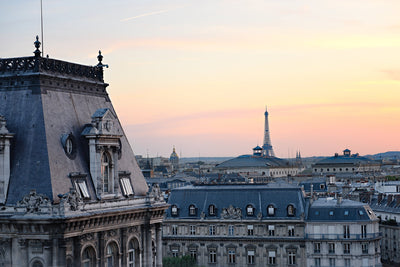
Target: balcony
(351, 237)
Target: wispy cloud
(150, 14)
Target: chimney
(379, 198)
(397, 200)
(389, 200)
(339, 200)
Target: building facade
(264, 225)
(71, 192)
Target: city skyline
(198, 76)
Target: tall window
(212, 255)
(192, 229)
(174, 229)
(292, 257)
(317, 262)
(106, 171)
(212, 230)
(112, 255)
(175, 252)
(250, 210)
(271, 210)
(89, 257)
(174, 210)
(364, 248)
(192, 210)
(133, 253)
(250, 230)
(317, 247)
(290, 210)
(363, 231)
(291, 230)
(271, 257)
(347, 263)
(346, 248)
(346, 231)
(250, 257)
(271, 230)
(231, 230)
(332, 262)
(331, 247)
(231, 255)
(211, 210)
(193, 253)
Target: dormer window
(250, 210)
(126, 186)
(69, 146)
(271, 210)
(211, 210)
(192, 210)
(174, 210)
(81, 187)
(106, 171)
(290, 210)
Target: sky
(198, 75)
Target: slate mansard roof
(279, 195)
(253, 162)
(42, 100)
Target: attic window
(290, 210)
(346, 213)
(174, 210)
(68, 144)
(316, 212)
(271, 210)
(126, 186)
(211, 210)
(331, 213)
(81, 187)
(361, 212)
(250, 210)
(192, 210)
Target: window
(174, 229)
(231, 230)
(292, 257)
(363, 231)
(291, 230)
(37, 264)
(271, 210)
(211, 210)
(133, 253)
(192, 230)
(193, 253)
(250, 230)
(89, 257)
(82, 189)
(212, 230)
(175, 252)
(271, 257)
(317, 247)
(346, 231)
(331, 248)
(106, 171)
(346, 248)
(250, 257)
(231, 255)
(250, 210)
(192, 210)
(290, 210)
(317, 262)
(212, 255)
(364, 248)
(174, 210)
(346, 213)
(126, 186)
(271, 230)
(112, 255)
(332, 262)
(347, 262)
(331, 213)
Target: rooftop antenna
(41, 25)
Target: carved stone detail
(72, 198)
(156, 192)
(231, 213)
(34, 202)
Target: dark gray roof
(253, 161)
(353, 160)
(280, 195)
(327, 209)
(316, 182)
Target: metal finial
(100, 58)
(37, 45)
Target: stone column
(158, 245)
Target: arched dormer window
(106, 171)
(192, 210)
(250, 210)
(271, 210)
(290, 210)
(212, 210)
(174, 210)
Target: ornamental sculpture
(231, 213)
(34, 202)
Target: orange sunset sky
(198, 74)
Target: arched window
(290, 210)
(106, 171)
(211, 210)
(89, 257)
(271, 210)
(192, 210)
(112, 255)
(37, 263)
(133, 253)
(250, 210)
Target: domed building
(174, 160)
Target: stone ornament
(231, 213)
(156, 192)
(72, 198)
(34, 202)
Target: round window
(69, 146)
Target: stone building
(71, 192)
(268, 225)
